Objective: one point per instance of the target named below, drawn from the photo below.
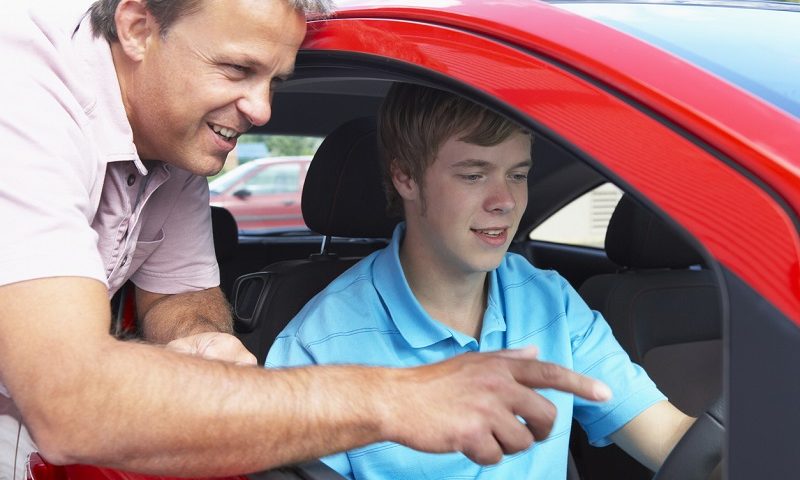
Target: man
(108, 122)
(446, 285)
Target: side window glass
(280, 178)
(582, 222)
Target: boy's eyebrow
(474, 162)
(471, 163)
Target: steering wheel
(700, 450)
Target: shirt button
(124, 260)
(131, 180)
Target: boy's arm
(652, 434)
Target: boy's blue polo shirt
(368, 315)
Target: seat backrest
(342, 197)
(226, 242)
(663, 306)
(665, 311)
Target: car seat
(342, 197)
(664, 308)
(226, 243)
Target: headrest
(343, 191)
(226, 233)
(637, 238)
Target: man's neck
(456, 299)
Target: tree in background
(281, 145)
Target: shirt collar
(108, 119)
(411, 320)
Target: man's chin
(206, 167)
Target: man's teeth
(225, 132)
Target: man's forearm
(169, 317)
(145, 408)
(208, 418)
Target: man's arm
(197, 323)
(166, 413)
(651, 435)
(164, 318)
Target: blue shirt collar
(411, 320)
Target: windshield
(226, 180)
(753, 45)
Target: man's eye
(236, 68)
(472, 178)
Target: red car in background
(690, 108)
(264, 193)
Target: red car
(263, 193)
(693, 110)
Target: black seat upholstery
(666, 314)
(665, 310)
(342, 197)
(226, 242)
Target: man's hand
(469, 403)
(214, 346)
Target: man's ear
(135, 26)
(403, 183)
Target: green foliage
(283, 145)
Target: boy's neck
(452, 298)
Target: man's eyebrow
(248, 61)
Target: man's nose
(256, 106)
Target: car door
(711, 160)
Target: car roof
(750, 44)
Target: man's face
(469, 209)
(210, 79)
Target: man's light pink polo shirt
(75, 199)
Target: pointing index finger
(536, 374)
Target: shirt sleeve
(49, 170)
(597, 354)
(184, 260)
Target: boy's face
(464, 219)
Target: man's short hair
(167, 12)
(415, 121)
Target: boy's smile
(463, 219)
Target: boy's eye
(519, 177)
(473, 177)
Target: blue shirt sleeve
(597, 354)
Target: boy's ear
(135, 26)
(403, 183)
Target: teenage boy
(446, 285)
